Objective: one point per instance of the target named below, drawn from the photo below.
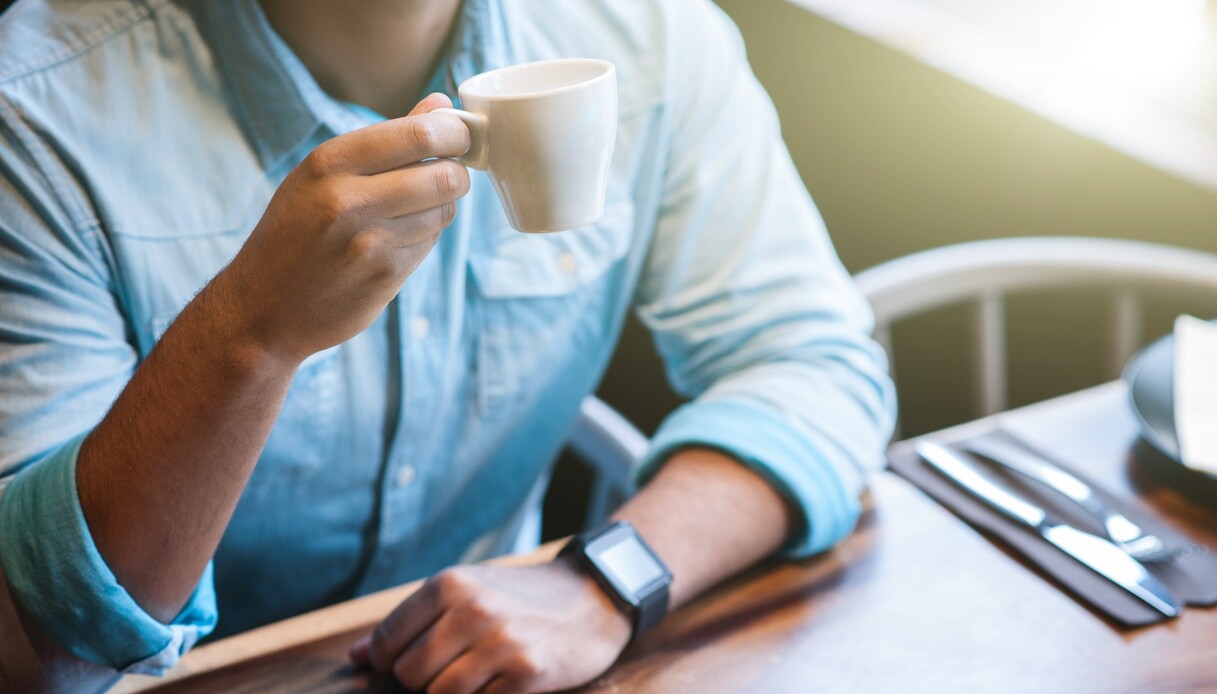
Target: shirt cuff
(826, 510)
(57, 575)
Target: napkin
(1192, 577)
(1196, 392)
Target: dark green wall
(899, 158)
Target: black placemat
(1192, 577)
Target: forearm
(159, 477)
(708, 517)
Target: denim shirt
(140, 143)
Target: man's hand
(499, 629)
(345, 229)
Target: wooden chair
(610, 446)
(984, 273)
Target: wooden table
(914, 601)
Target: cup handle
(475, 157)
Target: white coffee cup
(544, 133)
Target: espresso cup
(544, 134)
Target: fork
(1132, 538)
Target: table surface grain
(914, 601)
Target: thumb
(430, 103)
(359, 650)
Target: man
(245, 317)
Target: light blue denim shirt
(139, 145)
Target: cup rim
(609, 71)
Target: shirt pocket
(539, 297)
(307, 426)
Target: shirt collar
(280, 104)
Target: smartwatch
(629, 571)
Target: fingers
(394, 143)
(504, 685)
(465, 675)
(457, 635)
(415, 188)
(439, 646)
(405, 623)
(431, 102)
(359, 650)
(419, 227)
(388, 252)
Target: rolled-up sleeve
(65, 355)
(58, 576)
(748, 303)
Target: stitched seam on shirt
(84, 221)
(120, 22)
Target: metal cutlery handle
(1007, 502)
(1008, 455)
(1098, 554)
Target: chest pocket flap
(538, 265)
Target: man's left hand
(495, 629)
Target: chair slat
(1126, 330)
(990, 346)
(883, 335)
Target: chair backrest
(981, 272)
(985, 272)
(610, 446)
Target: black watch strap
(652, 608)
(627, 569)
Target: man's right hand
(345, 230)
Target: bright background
(901, 157)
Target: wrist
(220, 323)
(626, 570)
(599, 610)
(246, 324)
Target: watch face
(626, 562)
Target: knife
(1101, 556)
(1123, 531)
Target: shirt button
(567, 263)
(420, 327)
(405, 476)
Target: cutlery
(1126, 534)
(1096, 553)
